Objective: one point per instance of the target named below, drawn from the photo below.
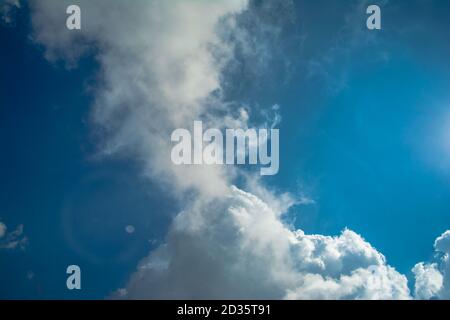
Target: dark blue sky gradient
(74, 207)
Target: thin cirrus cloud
(227, 242)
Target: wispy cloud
(8, 10)
(12, 239)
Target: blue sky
(47, 165)
(362, 134)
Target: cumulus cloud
(164, 64)
(432, 280)
(13, 239)
(428, 280)
(239, 248)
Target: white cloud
(162, 67)
(428, 280)
(442, 243)
(161, 63)
(239, 248)
(432, 280)
(374, 283)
